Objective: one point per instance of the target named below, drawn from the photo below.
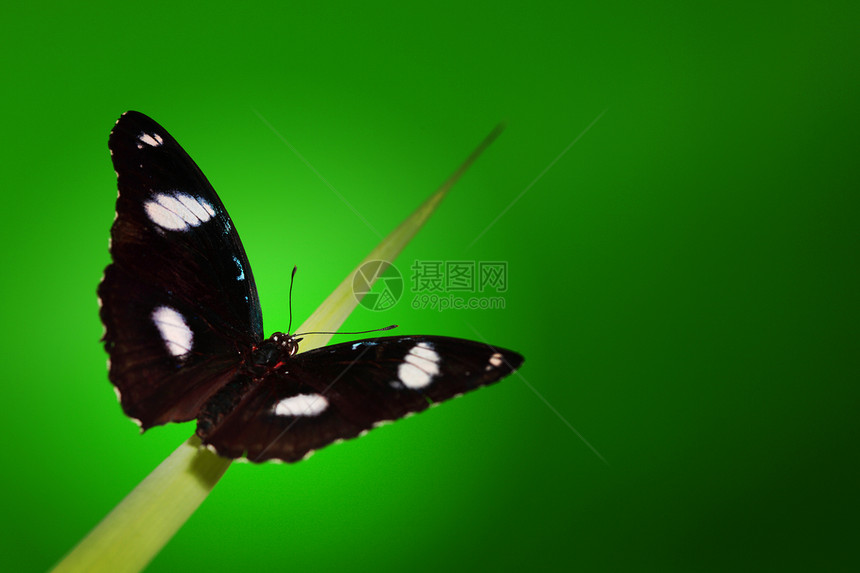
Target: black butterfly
(184, 330)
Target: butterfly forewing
(179, 302)
(338, 392)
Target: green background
(683, 281)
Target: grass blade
(134, 532)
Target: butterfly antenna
(290, 301)
(389, 327)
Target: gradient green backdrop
(683, 281)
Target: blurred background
(675, 197)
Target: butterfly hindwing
(339, 391)
(179, 302)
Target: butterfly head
(273, 353)
(286, 343)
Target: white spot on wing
(208, 207)
(164, 217)
(420, 365)
(174, 205)
(494, 362)
(202, 210)
(178, 211)
(301, 405)
(153, 140)
(173, 329)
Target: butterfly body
(184, 329)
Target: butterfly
(184, 328)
